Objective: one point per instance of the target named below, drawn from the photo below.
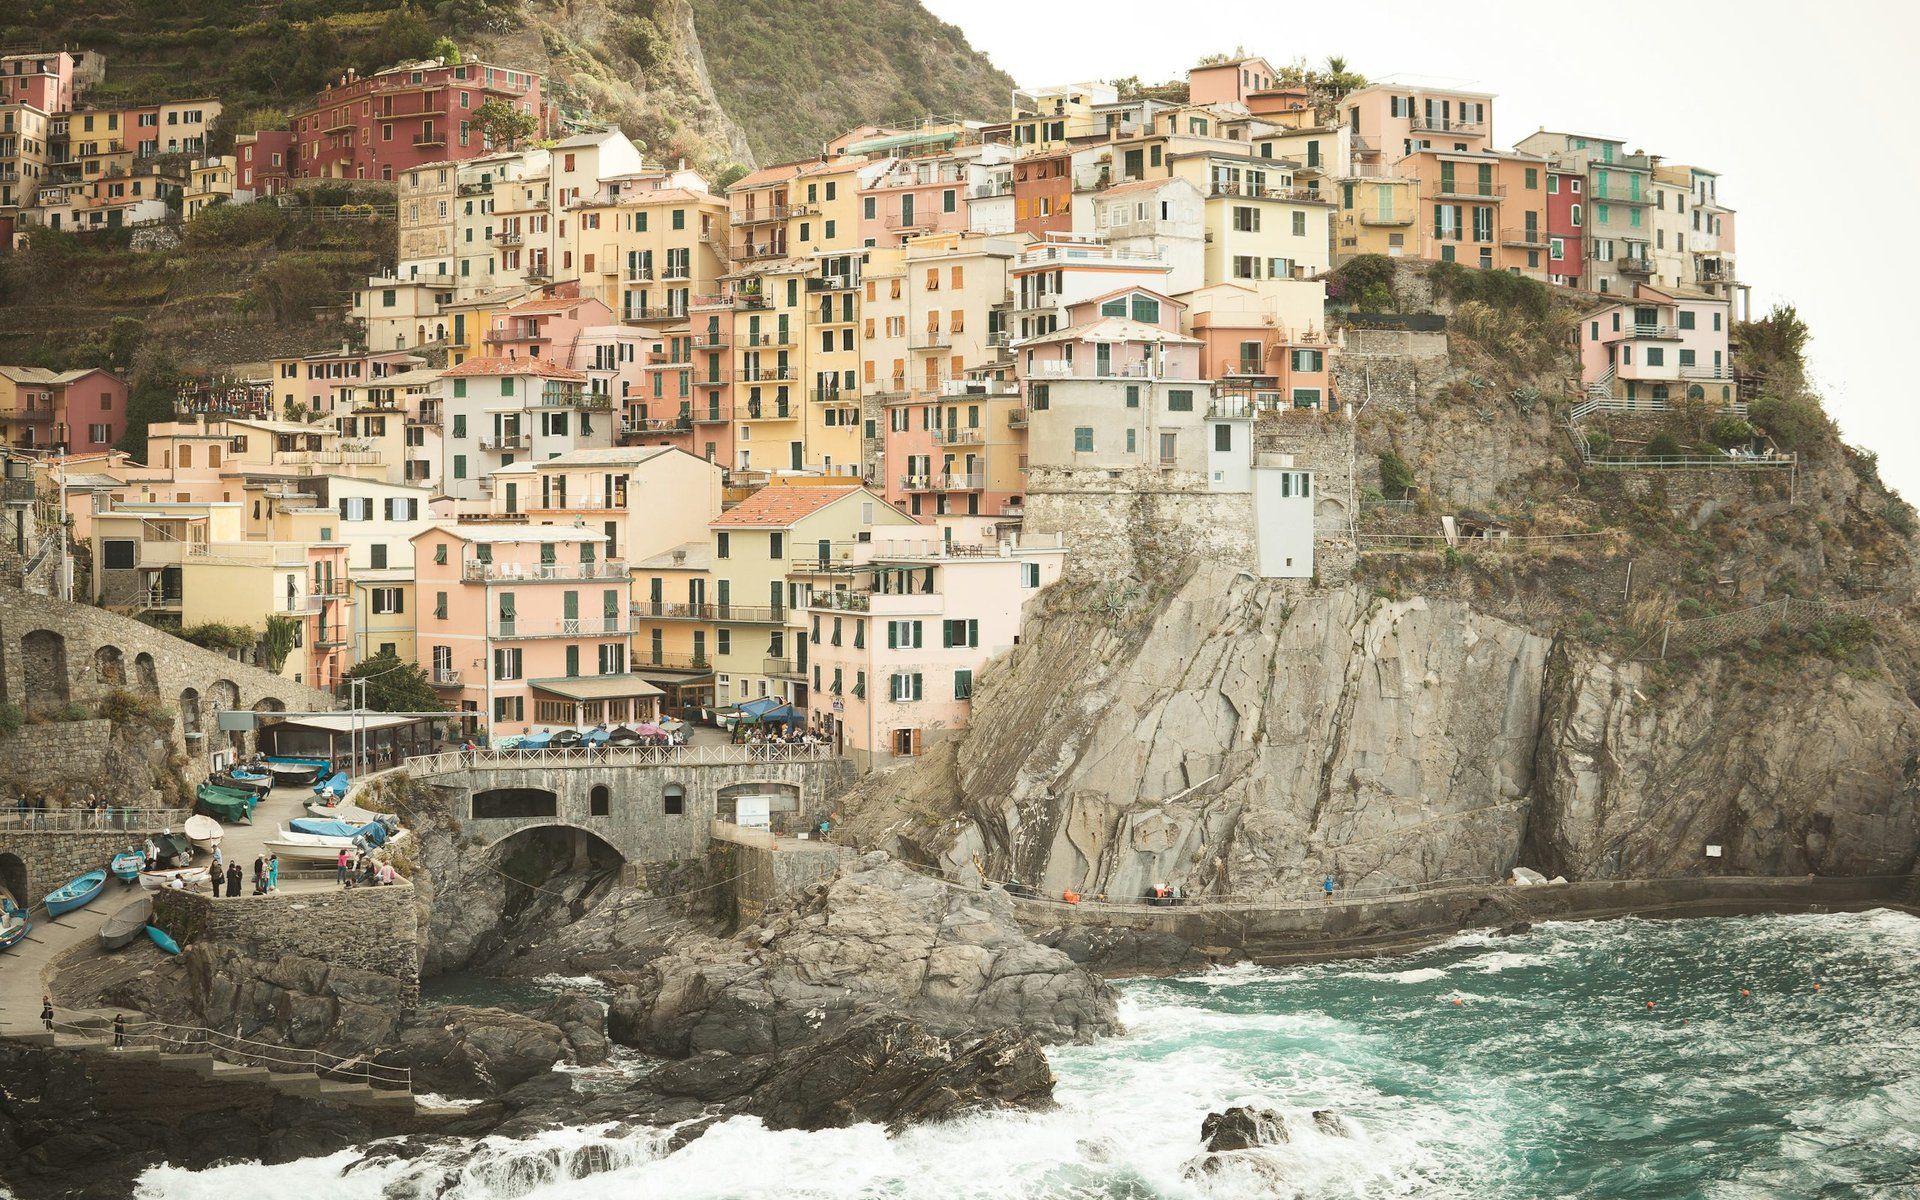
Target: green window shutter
(570, 605)
(973, 632)
(573, 661)
(946, 634)
(893, 635)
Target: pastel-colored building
(1377, 216)
(528, 625)
(1659, 345)
(1386, 122)
(74, 412)
(209, 182)
(1618, 199)
(1481, 209)
(497, 411)
(1267, 343)
(263, 162)
(893, 645)
(1566, 227)
(376, 126)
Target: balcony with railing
(784, 668)
(638, 274)
(642, 426)
(1019, 418)
(1045, 254)
(508, 237)
(1460, 189)
(1527, 237)
(888, 387)
(444, 677)
(902, 221)
(473, 570)
(572, 395)
(759, 374)
(560, 627)
(507, 441)
(958, 436)
(964, 389)
(762, 411)
(430, 138)
(766, 337)
(1633, 264)
(673, 662)
(1422, 123)
(663, 610)
(1386, 220)
(832, 283)
(712, 339)
(931, 339)
(752, 300)
(834, 395)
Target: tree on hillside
(503, 125)
(292, 287)
(394, 685)
(150, 398)
(403, 37)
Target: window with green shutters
(1485, 179)
(1179, 400)
(1146, 309)
(573, 662)
(959, 633)
(440, 554)
(570, 606)
(1133, 395)
(963, 685)
(903, 635)
(439, 606)
(459, 466)
(1533, 179)
(546, 554)
(1083, 439)
(1686, 318)
(610, 608)
(459, 425)
(506, 386)
(1114, 308)
(459, 389)
(904, 686)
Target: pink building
(548, 329)
(76, 412)
(320, 383)
(914, 196)
(894, 651)
(529, 625)
(1389, 121)
(375, 126)
(1658, 346)
(43, 79)
(1231, 82)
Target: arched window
(673, 800)
(599, 801)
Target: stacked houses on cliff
(615, 441)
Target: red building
(1566, 228)
(262, 162)
(1043, 193)
(375, 126)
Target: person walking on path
(119, 1031)
(233, 880)
(340, 867)
(46, 1012)
(1326, 885)
(219, 877)
(273, 872)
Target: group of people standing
(266, 874)
(362, 870)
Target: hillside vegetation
(714, 81)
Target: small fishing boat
(14, 925)
(122, 927)
(126, 865)
(159, 938)
(188, 878)
(535, 741)
(597, 736)
(333, 785)
(350, 813)
(171, 850)
(203, 831)
(75, 893)
(324, 827)
(224, 804)
(566, 739)
(248, 775)
(620, 735)
(295, 771)
(233, 783)
(311, 847)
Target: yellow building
(1376, 216)
(1050, 117)
(673, 627)
(780, 530)
(768, 351)
(209, 182)
(1260, 225)
(648, 252)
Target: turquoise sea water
(1549, 1077)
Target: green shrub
(1365, 282)
(643, 42)
(1599, 441)
(1663, 445)
(212, 635)
(123, 707)
(235, 226)
(1730, 430)
(1794, 423)
(1900, 515)
(1396, 477)
(11, 718)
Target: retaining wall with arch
(56, 653)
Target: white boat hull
(189, 877)
(203, 831)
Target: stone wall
(1123, 525)
(52, 652)
(763, 870)
(65, 763)
(1322, 443)
(49, 858)
(366, 929)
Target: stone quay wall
(370, 929)
(34, 862)
(56, 653)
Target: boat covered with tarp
(620, 735)
(124, 926)
(535, 741)
(599, 735)
(293, 771)
(333, 785)
(171, 850)
(224, 804)
(75, 893)
(232, 782)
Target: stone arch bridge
(649, 805)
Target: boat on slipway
(227, 805)
(291, 772)
(127, 865)
(128, 923)
(203, 831)
(75, 893)
(187, 878)
(14, 924)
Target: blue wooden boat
(233, 783)
(251, 776)
(597, 736)
(14, 924)
(76, 893)
(126, 865)
(334, 785)
(535, 741)
(161, 939)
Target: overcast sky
(1796, 106)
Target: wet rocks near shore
(878, 995)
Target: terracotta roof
(495, 365)
(765, 175)
(529, 308)
(1144, 185)
(776, 507)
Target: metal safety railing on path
(616, 756)
(85, 820)
(247, 1052)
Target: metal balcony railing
(1524, 237)
(507, 441)
(1466, 190)
(1421, 123)
(445, 677)
(475, 571)
(517, 627)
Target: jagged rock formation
(875, 940)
